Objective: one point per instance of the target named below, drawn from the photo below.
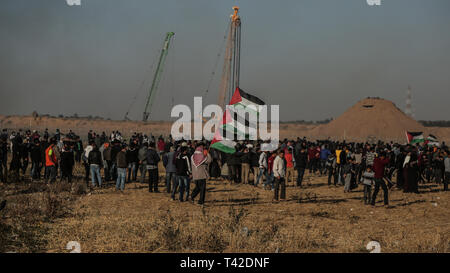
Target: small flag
(414, 137)
(432, 141)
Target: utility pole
(408, 109)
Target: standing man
(152, 167)
(379, 164)
(107, 160)
(3, 155)
(289, 156)
(245, 163)
(301, 161)
(279, 172)
(95, 164)
(122, 164)
(447, 170)
(184, 173)
(67, 162)
(168, 162)
(324, 154)
(262, 167)
(132, 159)
(200, 161)
(142, 157)
(50, 162)
(36, 160)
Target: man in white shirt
(279, 172)
(262, 167)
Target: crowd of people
(112, 158)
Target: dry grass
(235, 218)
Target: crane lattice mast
(231, 65)
(157, 76)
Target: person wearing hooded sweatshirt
(200, 161)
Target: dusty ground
(235, 218)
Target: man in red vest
(50, 162)
(379, 164)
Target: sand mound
(370, 118)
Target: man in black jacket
(152, 167)
(301, 161)
(36, 160)
(132, 160)
(67, 162)
(95, 163)
(183, 173)
(3, 155)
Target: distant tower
(408, 109)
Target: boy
(368, 181)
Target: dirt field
(235, 218)
(353, 125)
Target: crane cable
(217, 59)
(133, 101)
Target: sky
(313, 58)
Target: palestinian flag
(233, 124)
(432, 141)
(414, 137)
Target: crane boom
(157, 76)
(231, 66)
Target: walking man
(200, 161)
(279, 172)
(379, 164)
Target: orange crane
(231, 65)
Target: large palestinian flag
(414, 137)
(232, 124)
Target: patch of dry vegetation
(235, 218)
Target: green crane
(157, 77)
